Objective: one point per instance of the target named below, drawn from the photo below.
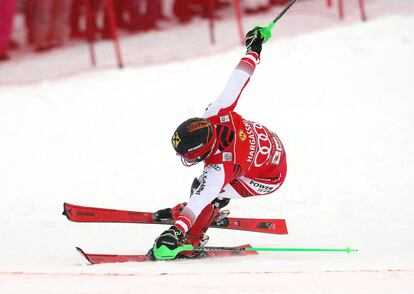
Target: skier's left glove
(254, 41)
(167, 242)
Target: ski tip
(84, 254)
(65, 210)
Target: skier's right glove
(168, 214)
(167, 242)
(254, 41)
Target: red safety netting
(43, 39)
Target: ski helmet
(194, 140)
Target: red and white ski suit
(248, 159)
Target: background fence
(54, 38)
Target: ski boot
(196, 236)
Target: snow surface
(341, 100)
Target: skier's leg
(196, 235)
(219, 202)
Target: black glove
(170, 238)
(254, 41)
(162, 215)
(168, 214)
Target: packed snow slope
(341, 100)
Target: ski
(78, 213)
(94, 258)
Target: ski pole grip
(265, 32)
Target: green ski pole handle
(266, 32)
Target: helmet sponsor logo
(196, 147)
(242, 136)
(197, 125)
(176, 140)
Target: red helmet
(194, 140)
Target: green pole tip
(349, 250)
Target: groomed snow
(341, 100)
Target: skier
(241, 159)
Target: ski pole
(266, 31)
(283, 12)
(347, 249)
(163, 253)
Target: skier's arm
(239, 78)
